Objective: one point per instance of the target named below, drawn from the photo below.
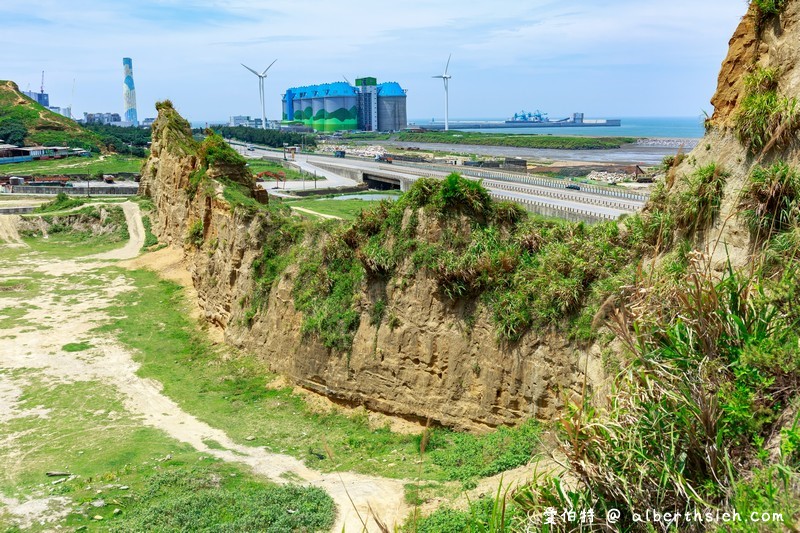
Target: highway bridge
(538, 194)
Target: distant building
(338, 106)
(148, 122)
(238, 120)
(41, 98)
(101, 118)
(244, 120)
(129, 92)
(64, 111)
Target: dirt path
(133, 217)
(310, 212)
(8, 231)
(111, 363)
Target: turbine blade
(248, 68)
(440, 76)
(448, 64)
(266, 69)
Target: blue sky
(606, 58)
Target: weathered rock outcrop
(433, 362)
(759, 42)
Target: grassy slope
(44, 126)
(231, 393)
(257, 166)
(345, 209)
(75, 166)
(130, 477)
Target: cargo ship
(537, 119)
(524, 120)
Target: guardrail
(76, 191)
(16, 210)
(556, 210)
(531, 180)
(566, 196)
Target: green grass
(195, 501)
(142, 479)
(76, 346)
(149, 237)
(465, 457)
(344, 209)
(14, 317)
(231, 393)
(256, 166)
(502, 139)
(61, 202)
(66, 242)
(79, 167)
(152, 480)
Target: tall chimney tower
(129, 92)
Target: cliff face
(165, 175)
(435, 359)
(761, 43)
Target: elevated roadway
(541, 195)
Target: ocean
(650, 127)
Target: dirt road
(110, 362)
(8, 230)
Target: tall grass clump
(768, 202)
(766, 9)
(698, 204)
(765, 120)
(713, 364)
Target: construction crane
(41, 89)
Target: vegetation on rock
(764, 119)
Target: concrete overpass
(538, 194)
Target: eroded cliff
(754, 125)
(427, 357)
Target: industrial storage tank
(391, 107)
(341, 108)
(306, 95)
(288, 105)
(298, 107)
(318, 108)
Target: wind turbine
(261, 78)
(446, 79)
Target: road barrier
(595, 200)
(76, 191)
(560, 211)
(16, 210)
(533, 180)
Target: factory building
(339, 106)
(41, 98)
(244, 120)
